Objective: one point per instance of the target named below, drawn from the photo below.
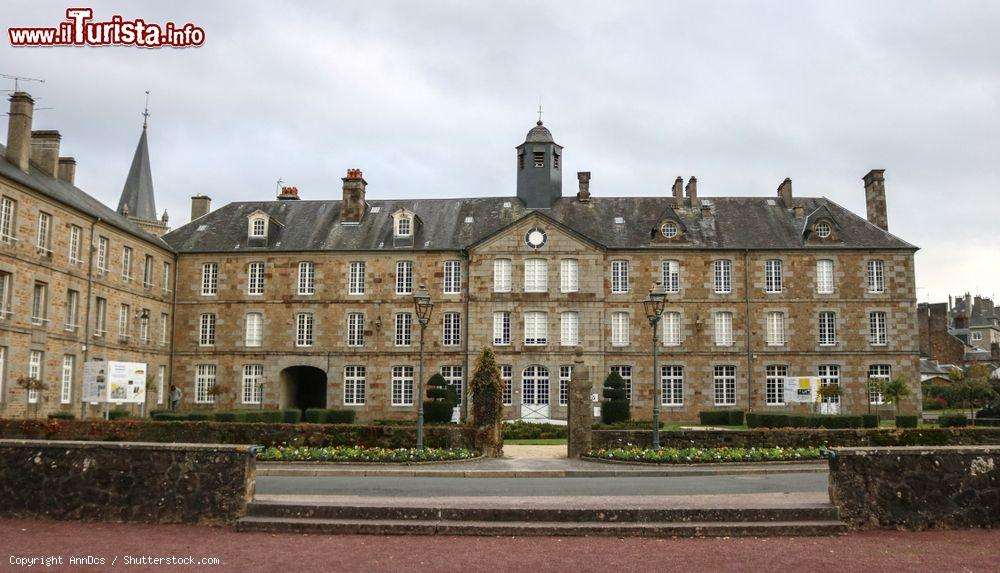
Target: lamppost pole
(653, 305)
(423, 305)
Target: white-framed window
(724, 385)
(501, 328)
(404, 226)
(127, 264)
(404, 277)
(452, 277)
(976, 336)
(824, 276)
(144, 326)
(671, 276)
(669, 229)
(6, 284)
(147, 271)
(72, 309)
(304, 323)
(772, 276)
(823, 229)
(355, 385)
(102, 254)
(44, 237)
(774, 384)
(100, 316)
(253, 381)
(453, 376)
(876, 276)
(569, 328)
(536, 328)
(569, 275)
(829, 374)
(307, 278)
(536, 276)
(879, 373)
(3, 368)
(723, 276)
(404, 329)
(161, 380)
(40, 304)
(619, 277)
(209, 279)
(507, 377)
(723, 328)
(625, 371)
(619, 329)
(254, 332)
(35, 360)
(255, 278)
(671, 328)
(355, 329)
(502, 272)
(165, 279)
(125, 321)
(204, 383)
(66, 386)
(565, 375)
(827, 328)
(774, 328)
(402, 385)
(672, 385)
(877, 328)
(258, 227)
(8, 231)
(356, 279)
(206, 330)
(451, 329)
(164, 328)
(75, 240)
(535, 385)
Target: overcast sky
(430, 98)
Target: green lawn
(538, 442)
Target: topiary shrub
(953, 421)
(62, 416)
(437, 408)
(486, 390)
(615, 407)
(314, 416)
(292, 416)
(869, 420)
(340, 416)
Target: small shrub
(292, 416)
(198, 416)
(615, 407)
(989, 416)
(62, 416)
(906, 421)
(935, 403)
(265, 416)
(721, 417)
(438, 407)
(340, 416)
(314, 416)
(953, 421)
(167, 416)
(230, 416)
(869, 420)
(118, 414)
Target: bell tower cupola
(539, 168)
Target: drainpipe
(86, 325)
(173, 330)
(465, 340)
(746, 299)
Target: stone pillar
(581, 410)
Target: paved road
(618, 486)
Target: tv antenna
(18, 79)
(277, 185)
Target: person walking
(175, 397)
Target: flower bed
(705, 455)
(361, 454)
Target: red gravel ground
(937, 551)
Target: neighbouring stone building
(963, 331)
(309, 303)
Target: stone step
(542, 528)
(484, 512)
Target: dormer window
(404, 226)
(669, 229)
(257, 225)
(823, 229)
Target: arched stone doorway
(303, 387)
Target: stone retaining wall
(917, 488)
(799, 437)
(450, 436)
(156, 483)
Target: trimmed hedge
(519, 430)
(906, 421)
(780, 420)
(869, 421)
(293, 416)
(118, 414)
(953, 421)
(721, 417)
(62, 416)
(799, 438)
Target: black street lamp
(654, 312)
(424, 306)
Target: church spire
(137, 201)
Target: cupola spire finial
(145, 111)
(539, 111)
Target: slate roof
(539, 134)
(735, 223)
(137, 194)
(74, 197)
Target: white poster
(802, 389)
(114, 382)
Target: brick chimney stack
(692, 192)
(19, 129)
(875, 198)
(289, 194)
(67, 170)
(201, 205)
(678, 192)
(353, 208)
(785, 192)
(45, 151)
(584, 194)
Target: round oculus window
(823, 229)
(535, 238)
(669, 229)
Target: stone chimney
(45, 151)
(692, 192)
(875, 198)
(584, 194)
(289, 194)
(19, 129)
(353, 208)
(995, 351)
(678, 192)
(785, 192)
(201, 205)
(67, 170)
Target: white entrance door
(535, 393)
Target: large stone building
(309, 303)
